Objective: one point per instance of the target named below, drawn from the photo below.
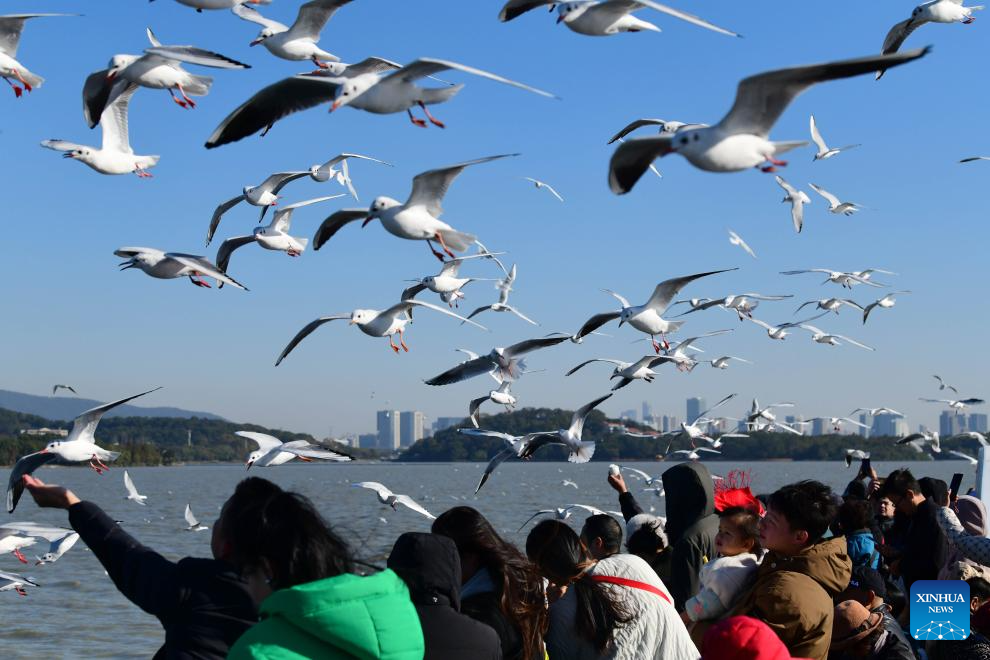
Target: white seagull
(12, 540)
(170, 265)
(723, 362)
(568, 482)
(264, 194)
(514, 445)
(824, 152)
(974, 158)
(844, 279)
(275, 236)
(79, 447)
(837, 422)
(972, 435)
(964, 456)
(740, 140)
(132, 493)
(504, 287)
(693, 428)
(160, 67)
(271, 451)
(691, 454)
(60, 539)
(918, 440)
(797, 198)
(886, 302)
(416, 219)
(934, 11)
(200, 5)
(16, 583)
(736, 239)
(299, 42)
(373, 85)
(956, 404)
(830, 304)
(780, 331)
(873, 412)
(501, 395)
(942, 385)
(855, 454)
(580, 450)
(505, 361)
(627, 372)
(385, 496)
(647, 317)
(834, 204)
(604, 18)
(192, 524)
(446, 283)
(821, 337)
(647, 479)
(374, 323)
(542, 184)
(56, 388)
(115, 155)
(328, 170)
(11, 26)
(742, 304)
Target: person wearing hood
(431, 568)
(801, 572)
(312, 604)
(691, 527)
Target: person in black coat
(925, 548)
(431, 568)
(691, 526)
(204, 605)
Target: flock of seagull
(739, 141)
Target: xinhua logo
(940, 609)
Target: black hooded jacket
(431, 568)
(203, 604)
(691, 526)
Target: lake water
(78, 613)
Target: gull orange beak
(334, 105)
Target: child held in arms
(727, 577)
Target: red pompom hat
(733, 491)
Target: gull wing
(86, 423)
(227, 248)
(816, 137)
(577, 420)
(520, 314)
(854, 342)
(463, 371)
(500, 457)
(617, 363)
(218, 213)
(252, 16)
(595, 322)
(406, 305)
(626, 6)
(204, 267)
(639, 123)
(762, 99)
(194, 55)
(190, 518)
(967, 457)
(305, 449)
(382, 491)
(24, 465)
(474, 407)
(283, 217)
(529, 345)
(96, 95)
(896, 36)
(832, 199)
(113, 122)
(305, 332)
(409, 502)
(515, 8)
(334, 222)
(664, 292)
(313, 17)
(131, 490)
(265, 442)
(430, 187)
(427, 66)
(11, 27)
(274, 102)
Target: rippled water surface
(77, 612)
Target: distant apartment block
(411, 423)
(61, 433)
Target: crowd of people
(799, 573)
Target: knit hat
(851, 623)
(642, 520)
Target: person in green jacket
(311, 603)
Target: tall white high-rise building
(388, 429)
(411, 423)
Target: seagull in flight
(298, 42)
(797, 198)
(192, 523)
(170, 265)
(972, 435)
(605, 17)
(842, 278)
(646, 318)
(504, 287)
(513, 447)
(918, 441)
(824, 152)
(132, 493)
(723, 362)
(742, 304)
(974, 158)
(780, 331)
(821, 337)
(56, 388)
(956, 404)
(736, 239)
(855, 455)
(446, 283)
(374, 323)
(271, 451)
(873, 412)
(11, 26)
(542, 184)
(691, 454)
(387, 497)
(886, 302)
(505, 361)
(933, 11)
(78, 447)
(580, 450)
(418, 218)
(741, 140)
(942, 385)
(830, 304)
(501, 395)
(834, 204)
(264, 194)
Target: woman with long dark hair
(614, 607)
(499, 587)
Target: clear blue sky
(70, 317)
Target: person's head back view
(561, 557)
(602, 535)
(276, 538)
(519, 588)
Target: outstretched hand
(618, 483)
(49, 496)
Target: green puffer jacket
(346, 616)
